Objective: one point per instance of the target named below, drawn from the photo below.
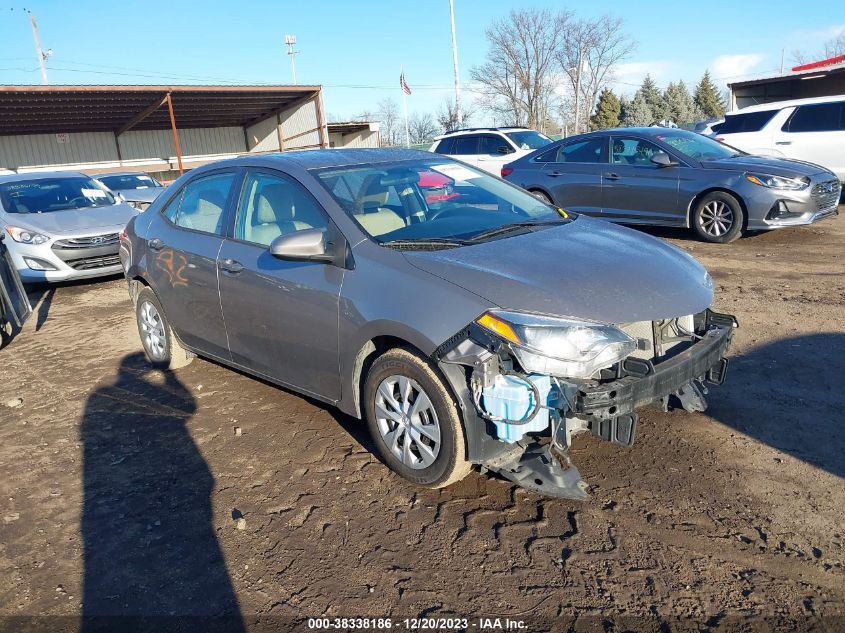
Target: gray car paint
(319, 317)
(664, 196)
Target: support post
(280, 132)
(321, 120)
(175, 134)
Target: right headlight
(25, 236)
(558, 346)
(778, 182)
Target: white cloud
(811, 38)
(727, 68)
(629, 76)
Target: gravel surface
(206, 492)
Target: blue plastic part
(511, 398)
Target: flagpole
(405, 109)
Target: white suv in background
(811, 130)
(489, 148)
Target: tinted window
(587, 151)
(272, 205)
(822, 117)
(749, 122)
(465, 145)
(202, 203)
(445, 146)
(529, 139)
(490, 144)
(129, 181)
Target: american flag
(404, 84)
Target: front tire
(718, 218)
(542, 197)
(160, 345)
(414, 421)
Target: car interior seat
(370, 210)
(619, 153)
(204, 213)
(275, 214)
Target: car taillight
(506, 171)
(721, 139)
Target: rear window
(748, 122)
(820, 117)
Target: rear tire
(718, 218)
(160, 345)
(414, 421)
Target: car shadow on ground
(150, 548)
(788, 394)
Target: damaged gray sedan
(466, 322)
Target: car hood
(785, 167)
(141, 195)
(588, 269)
(72, 222)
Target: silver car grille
(88, 242)
(826, 194)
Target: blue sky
(355, 49)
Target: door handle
(611, 176)
(155, 244)
(783, 142)
(555, 174)
(231, 266)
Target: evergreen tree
(708, 99)
(638, 113)
(654, 99)
(608, 110)
(680, 104)
(624, 109)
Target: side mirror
(305, 245)
(504, 149)
(662, 159)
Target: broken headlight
(557, 346)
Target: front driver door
(183, 242)
(635, 190)
(281, 315)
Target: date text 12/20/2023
(418, 624)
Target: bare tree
(391, 128)
(421, 127)
(833, 47)
(516, 82)
(598, 45)
(447, 115)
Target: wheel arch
(692, 204)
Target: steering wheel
(73, 201)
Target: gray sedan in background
(137, 189)
(663, 177)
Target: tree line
(649, 106)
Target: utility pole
(578, 93)
(458, 112)
(42, 56)
(290, 40)
(782, 53)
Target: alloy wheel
(407, 421)
(152, 331)
(716, 218)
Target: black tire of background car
(175, 355)
(739, 218)
(542, 197)
(451, 464)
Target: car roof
(42, 175)
(642, 131)
(779, 105)
(321, 158)
(476, 130)
(120, 173)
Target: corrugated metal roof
(55, 109)
(793, 74)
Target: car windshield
(698, 147)
(528, 139)
(45, 195)
(129, 181)
(434, 203)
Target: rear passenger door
(281, 316)
(815, 133)
(572, 172)
(465, 148)
(183, 243)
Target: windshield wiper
(426, 243)
(514, 226)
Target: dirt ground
(206, 492)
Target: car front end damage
(528, 383)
